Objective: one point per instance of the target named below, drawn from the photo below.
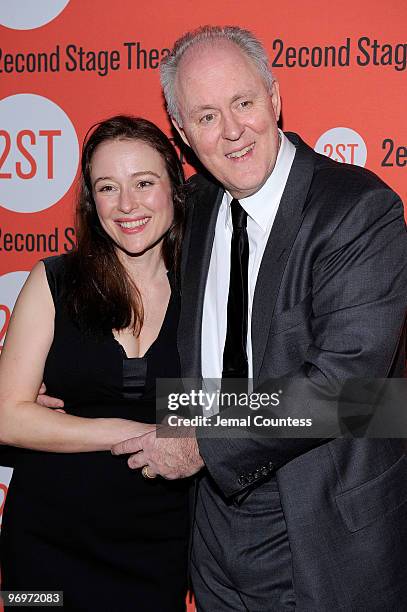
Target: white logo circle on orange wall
(27, 15)
(343, 145)
(10, 287)
(5, 477)
(39, 153)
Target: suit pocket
(372, 500)
(296, 315)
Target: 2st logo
(22, 138)
(39, 158)
(342, 152)
(343, 145)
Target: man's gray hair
(244, 39)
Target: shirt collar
(262, 205)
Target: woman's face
(132, 193)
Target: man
(282, 524)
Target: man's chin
(245, 190)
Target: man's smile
(241, 152)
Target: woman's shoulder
(56, 268)
(55, 263)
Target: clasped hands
(169, 457)
(173, 454)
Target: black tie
(234, 353)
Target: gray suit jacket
(329, 304)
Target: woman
(99, 326)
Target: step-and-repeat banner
(65, 64)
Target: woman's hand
(124, 429)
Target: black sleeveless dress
(84, 523)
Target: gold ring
(146, 473)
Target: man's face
(229, 118)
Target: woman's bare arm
(23, 422)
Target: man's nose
(232, 128)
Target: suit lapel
(283, 233)
(196, 263)
(203, 223)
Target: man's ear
(275, 99)
(180, 131)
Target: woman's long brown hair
(100, 294)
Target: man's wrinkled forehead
(206, 51)
(216, 44)
(201, 60)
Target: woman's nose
(127, 202)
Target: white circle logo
(10, 287)
(27, 15)
(5, 477)
(39, 153)
(343, 145)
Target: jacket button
(242, 480)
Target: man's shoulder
(338, 188)
(353, 189)
(203, 185)
(199, 180)
(348, 178)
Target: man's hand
(175, 457)
(47, 401)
